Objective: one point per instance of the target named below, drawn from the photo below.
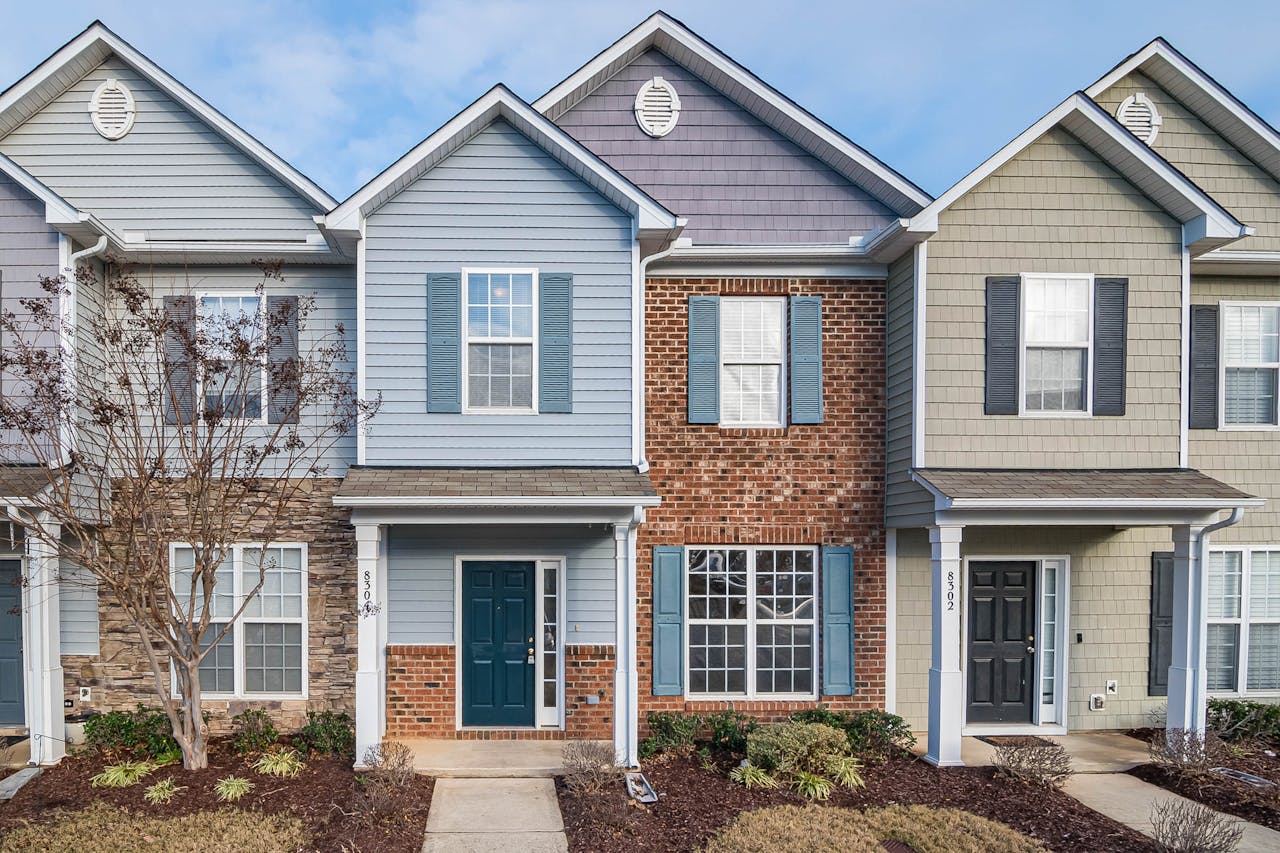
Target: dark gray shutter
(704, 359)
(555, 342)
(1160, 654)
(806, 359)
(1203, 406)
(1001, 396)
(837, 621)
(180, 385)
(1110, 322)
(282, 360)
(668, 620)
(444, 343)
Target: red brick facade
(817, 484)
(422, 695)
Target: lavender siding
(736, 179)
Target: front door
(497, 643)
(12, 711)
(1001, 671)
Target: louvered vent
(1140, 117)
(112, 109)
(657, 107)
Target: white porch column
(626, 678)
(1188, 676)
(42, 641)
(946, 696)
(371, 650)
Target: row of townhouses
(724, 410)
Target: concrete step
(488, 759)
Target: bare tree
(162, 417)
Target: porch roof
(976, 488)
(21, 481)
(470, 487)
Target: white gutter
(500, 500)
(67, 311)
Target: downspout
(642, 275)
(1202, 604)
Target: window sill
(1246, 696)
(739, 697)
(253, 697)
(752, 426)
(1249, 428)
(504, 412)
(1040, 416)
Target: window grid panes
(238, 389)
(500, 323)
(1049, 635)
(1244, 621)
(752, 342)
(1251, 363)
(550, 645)
(1056, 334)
(751, 621)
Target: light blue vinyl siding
(78, 611)
(421, 571)
(171, 177)
(499, 201)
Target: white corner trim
(362, 343)
(637, 353)
(919, 363)
(1184, 390)
(891, 620)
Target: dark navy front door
(497, 644)
(12, 712)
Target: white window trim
(1023, 411)
(1242, 638)
(816, 622)
(1222, 370)
(532, 341)
(200, 296)
(782, 365)
(237, 563)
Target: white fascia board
(813, 261)
(1227, 262)
(97, 41)
(499, 501)
(1103, 503)
(663, 32)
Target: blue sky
(932, 87)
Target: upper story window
(1244, 621)
(752, 341)
(234, 386)
(1251, 363)
(500, 351)
(1056, 342)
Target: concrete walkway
(495, 816)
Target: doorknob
(531, 651)
(1031, 650)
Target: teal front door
(497, 643)
(12, 712)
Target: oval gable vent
(1140, 117)
(657, 107)
(112, 109)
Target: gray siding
(78, 611)
(172, 177)
(735, 178)
(499, 201)
(906, 502)
(420, 577)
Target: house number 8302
(951, 590)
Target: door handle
(530, 651)
(1031, 650)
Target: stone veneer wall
(422, 696)
(120, 676)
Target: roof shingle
(494, 482)
(1078, 484)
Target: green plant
(1183, 826)
(1039, 764)
(670, 731)
(750, 776)
(822, 714)
(122, 775)
(231, 788)
(791, 748)
(1236, 720)
(846, 770)
(162, 792)
(143, 732)
(253, 732)
(284, 763)
(879, 734)
(811, 786)
(327, 732)
(729, 731)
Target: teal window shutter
(444, 342)
(806, 359)
(837, 621)
(704, 359)
(668, 620)
(555, 342)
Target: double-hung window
(1056, 341)
(1251, 363)
(751, 621)
(1244, 621)
(234, 385)
(500, 351)
(264, 653)
(752, 342)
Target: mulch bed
(1258, 805)
(697, 802)
(322, 797)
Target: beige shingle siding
(1055, 207)
(906, 503)
(1248, 459)
(1234, 181)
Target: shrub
(1236, 720)
(253, 732)
(750, 776)
(1185, 750)
(162, 792)
(790, 748)
(589, 766)
(122, 775)
(1047, 765)
(231, 788)
(729, 731)
(283, 763)
(385, 791)
(144, 732)
(329, 733)
(1183, 826)
(872, 734)
(670, 731)
(391, 760)
(846, 770)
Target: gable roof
(1204, 96)
(501, 102)
(737, 83)
(60, 214)
(1206, 224)
(88, 50)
